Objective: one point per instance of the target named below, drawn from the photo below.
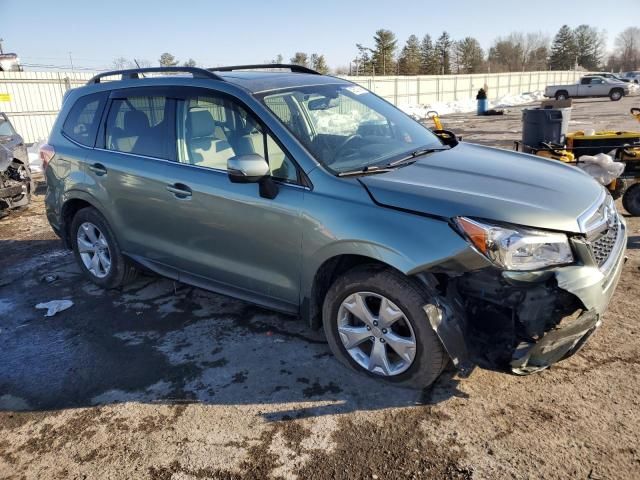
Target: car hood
(476, 181)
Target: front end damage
(524, 322)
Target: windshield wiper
(392, 165)
(366, 170)
(413, 155)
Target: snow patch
(419, 112)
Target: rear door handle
(180, 190)
(98, 169)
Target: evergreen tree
(384, 52)
(443, 53)
(363, 62)
(469, 56)
(563, 50)
(300, 58)
(428, 60)
(319, 64)
(589, 46)
(409, 61)
(167, 60)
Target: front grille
(602, 246)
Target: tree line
(583, 46)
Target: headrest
(200, 123)
(135, 122)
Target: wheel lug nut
(382, 340)
(375, 323)
(372, 338)
(368, 327)
(384, 330)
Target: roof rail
(293, 68)
(133, 73)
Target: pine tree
(167, 60)
(563, 50)
(319, 64)
(409, 61)
(443, 53)
(384, 52)
(300, 58)
(589, 46)
(428, 60)
(470, 56)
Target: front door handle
(98, 169)
(180, 190)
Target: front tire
(97, 251)
(631, 200)
(616, 95)
(374, 323)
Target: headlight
(517, 248)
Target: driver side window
(211, 130)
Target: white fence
(32, 99)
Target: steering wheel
(343, 146)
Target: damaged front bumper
(525, 321)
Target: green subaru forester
(310, 195)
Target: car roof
(260, 82)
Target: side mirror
(248, 168)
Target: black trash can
(548, 125)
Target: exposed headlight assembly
(517, 248)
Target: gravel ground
(165, 381)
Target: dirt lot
(163, 381)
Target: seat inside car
(206, 141)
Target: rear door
(128, 170)
(225, 235)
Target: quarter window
(140, 125)
(82, 122)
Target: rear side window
(5, 128)
(82, 122)
(141, 125)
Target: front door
(226, 236)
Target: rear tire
(404, 300)
(92, 239)
(631, 200)
(562, 95)
(616, 94)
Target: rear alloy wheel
(94, 250)
(375, 324)
(97, 250)
(561, 96)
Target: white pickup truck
(589, 86)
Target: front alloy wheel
(375, 324)
(376, 333)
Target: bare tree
(121, 63)
(628, 48)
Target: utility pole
(1, 51)
(71, 61)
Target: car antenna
(138, 65)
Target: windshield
(5, 128)
(348, 128)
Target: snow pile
(419, 112)
(332, 121)
(34, 156)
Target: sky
(228, 32)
